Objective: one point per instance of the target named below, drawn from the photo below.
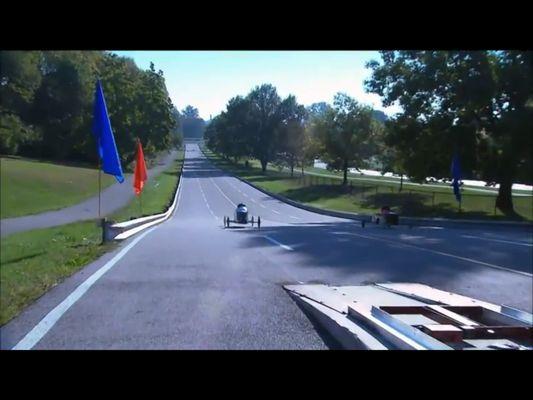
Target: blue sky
(208, 79)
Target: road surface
(114, 198)
(191, 284)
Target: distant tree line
(281, 131)
(476, 103)
(47, 97)
(192, 125)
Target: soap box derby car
(241, 217)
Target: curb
(410, 221)
(124, 230)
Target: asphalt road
(113, 198)
(191, 284)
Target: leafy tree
(20, 77)
(346, 132)
(190, 112)
(317, 109)
(47, 104)
(292, 133)
(265, 117)
(62, 104)
(478, 103)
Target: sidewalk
(114, 197)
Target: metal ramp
(407, 316)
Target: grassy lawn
(367, 197)
(157, 193)
(386, 181)
(30, 187)
(32, 262)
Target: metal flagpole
(102, 220)
(99, 189)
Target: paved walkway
(114, 197)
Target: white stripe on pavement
(278, 243)
(206, 203)
(42, 328)
(223, 194)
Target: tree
(265, 117)
(20, 77)
(476, 103)
(346, 132)
(47, 102)
(190, 112)
(317, 109)
(292, 133)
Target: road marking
(437, 252)
(275, 211)
(278, 243)
(498, 240)
(261, 205)
(290, 216)
(42, 328)
(205, 199)
(223, 194)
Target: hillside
(30, 187)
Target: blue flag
(107, 149)
(456, 176)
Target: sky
(208, 79)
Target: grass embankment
(367, 197)
(30, 187)
(33, 262)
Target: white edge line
(38, 332)
(278, 243)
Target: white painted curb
(143, 223)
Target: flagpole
(99, 189)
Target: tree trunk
(264, 165)
(401, 182)
(345, 168)
(302, 168)
(504, 201)
(292, 167)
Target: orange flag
(140, 175)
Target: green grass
(30, 187)
(384, 181)
(157, 193)
(367, 197)
(33, 262)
